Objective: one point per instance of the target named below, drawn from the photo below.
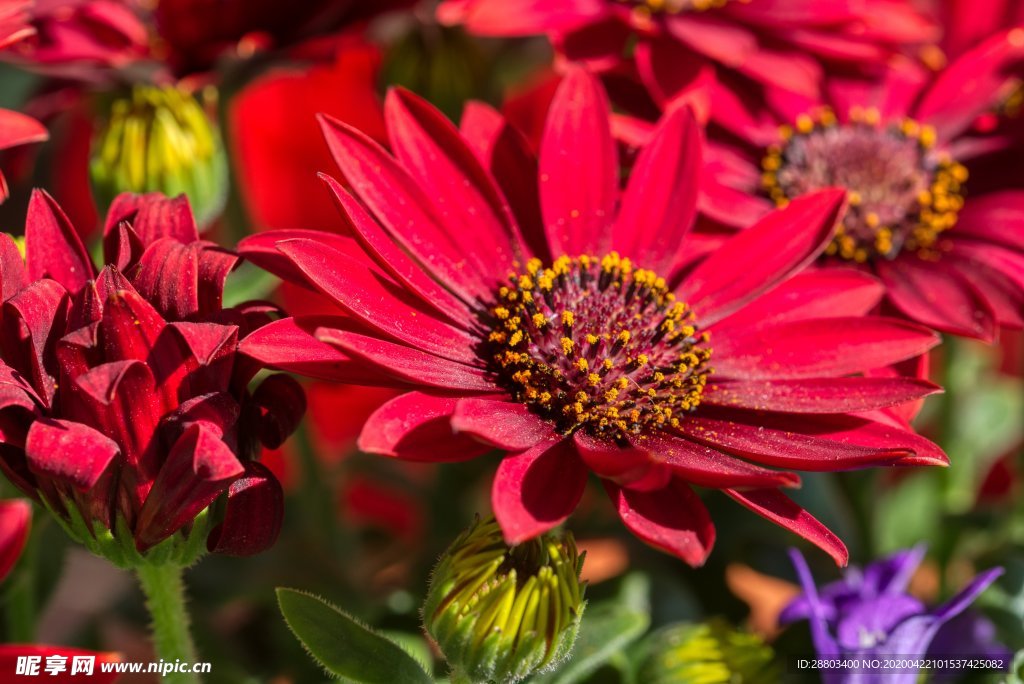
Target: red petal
(463, 193)
(821, 293)
(937, 297)
(507, 154)
(369, 295)
(579, 168)
(18, 129)
(633, 467)
(660, 202)
(15, 521)
(707, 467)
(772, 505)
(407, 364)
(417, 427)
(417, 279)
(505, 425)
(290, 344)
(199, 468)
(32, 321)
(818, 395)
(994, 217)
(252, 516)
(52, 247)
(537, 490)
(759, 258)
(796, 442)
(819, 347)
(402, 206)
(672, 519)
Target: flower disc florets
(902, 193)
(596, 344)
(653, 7)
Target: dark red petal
(538, 489)
(168, 276)
(773, 505)
(32, 322)
(130, 327)
(282, 404)
(759, 258)
(463, 193)
(369, 295)
(199, 468)
(15, 521)
(417, 427)
(402, 206)
(937, 297)
(505, 425)
(12, 268)
(52, 246)
(68, 452)
(784, 445)
(579, 168)
(417, 279)
(660, 202)
(153, 216)
(252, 516)
(818, 347)
(818, 395)
(407, 364)
(672, 519)
(122, 400)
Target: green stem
(165, 598)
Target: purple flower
(869, 614)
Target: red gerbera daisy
(559, 330)
(774, 43)
(950, 251)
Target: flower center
(902, 193)
(648, 8)
(594, 343)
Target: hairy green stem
(165, 598)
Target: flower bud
(160, 139)
(711, 652)
(501, 613)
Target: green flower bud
(501, 613)
(707, 653)
(160, 139)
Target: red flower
(950, 253)
(775, 43)
(125, 404)
(585, 360)
(15, 520)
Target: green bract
(501, 613)
(159, 139)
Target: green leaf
(344, 646)
(607, 629)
